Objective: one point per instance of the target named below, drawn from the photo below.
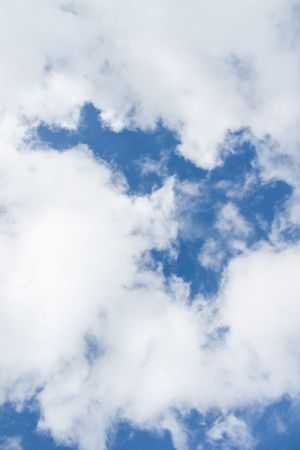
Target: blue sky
(149, 225)
(128, 150)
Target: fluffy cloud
(204, 68)
(90, 326)
(101, 334)
(261, 307)
(70, 240)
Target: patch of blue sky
(130, 438)
(145, 159)
(125, 151)
(275, 427)
(278, 426)
(93, 349)
(23, 424)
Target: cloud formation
(90, 324)
(91, 327)
(202, 68)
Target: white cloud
(202, 67)
(74, 246)
(232, 233)
(261, 309)
(70, 240)
(212, 254)
(231, 222)
(231, 432)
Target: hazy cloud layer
(11, 443)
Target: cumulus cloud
(203, 68)
(97, 334)
(261, 302)
(90, 326)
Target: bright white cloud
(160, 354)
(70, 240)
(202, 67)
(261, 307)
(83, 316)
(104, 336)
(230, 222)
